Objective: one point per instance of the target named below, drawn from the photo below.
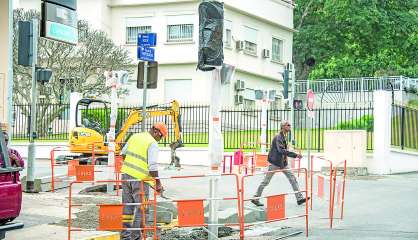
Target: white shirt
(152, 155)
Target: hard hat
(162, 128)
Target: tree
(75, 68)
(356, 38)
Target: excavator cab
(92, 124)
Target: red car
(10, 186)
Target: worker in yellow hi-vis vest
(140, 163)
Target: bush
(365, 122)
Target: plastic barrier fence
(276, 208)
(110, 214)
(338, 189)
(190, 208)
(72, 166)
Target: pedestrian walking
(277, 158)
(139, 166)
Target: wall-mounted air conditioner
(239, 45)
(239, 85)
(266, 53)
(238, 99)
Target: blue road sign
(146, 54)
(147, 39)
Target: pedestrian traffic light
(152, 75)
(25, 46)
(211, 17)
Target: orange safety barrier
(324, 186)
(72, 165)
(340, 190)
(276, 203)
(190, 211)
(110, 215)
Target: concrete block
(43, 184)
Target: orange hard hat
(162, 128)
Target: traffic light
(25, 46)
(211, 17)
(152, 76)
(43, 75)
(285, 75)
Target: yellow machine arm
(135, 116)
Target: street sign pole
(310, 117)
(146, 53)
(30, 186)
(144, 97)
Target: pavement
(376, 207)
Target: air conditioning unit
(239, 45)
(238, 99)
(266, 53)
(239, 85)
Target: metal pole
(215, 149)
(144, 97)
(293, 94)
(111, 134)
(32, 127)
(263, 124)
(309, 134)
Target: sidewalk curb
(111, 236)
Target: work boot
(302, 201)
(257, 202)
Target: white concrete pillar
(6, 65)
(74, 97)
(381, 134)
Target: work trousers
(132, 215)
(289, 175)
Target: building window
(180, 33)
(250, 40)
(132, 33)
(277, 50)
(228, 33)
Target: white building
(258, 36)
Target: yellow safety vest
(136, 159)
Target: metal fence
(404, 127)
(238, 125)
(52, 121)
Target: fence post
(402, 127)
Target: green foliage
(365, 122)
(101, 118)
(356, 38)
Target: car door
(10, 187)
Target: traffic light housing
(43, 75)
(211, 21)
(25, 46)
(285, 75)
(152, 76)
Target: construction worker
(277, 158)
(140, 163)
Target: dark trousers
(132, 215)
(289, 175)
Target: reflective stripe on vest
(136, 163)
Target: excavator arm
(135, 117)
